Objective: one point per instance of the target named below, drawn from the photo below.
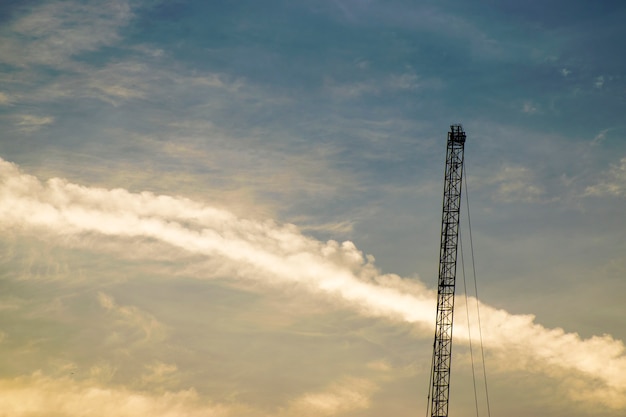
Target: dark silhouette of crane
(442, 347)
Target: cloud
(529, 108)
(407, 81)
(551, 350)
(55, 31)
(515, 183)
(345, 395)
(28, 123)
(160, 374)
(135, 78)
(38, 394)
(613, 183)
(131, 317)
(5, 99)
(599, 82)
(54, 34)
(600, 137)
(337, 228)
(279, 256)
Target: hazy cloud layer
(279, 255)
(280, 143)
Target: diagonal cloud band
(280, 255)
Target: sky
(232, 208)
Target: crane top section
(456, 134)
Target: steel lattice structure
(442, 349)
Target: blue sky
(232, 208)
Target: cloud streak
(38, 394)
(280, 255)
(613, 183)
(52, 33)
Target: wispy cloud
(600, 137)
(529, 108)
(38, 394)
(407, 81)
(41, 394)
(323, 114)
(5, 99)
(29, 123)
(160, 374)
(599, 81)
(278, 256)
(146, 325)
(52, 33)
(613, 182)
(515, 183)
(338, 228)
(342, 396)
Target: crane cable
(482, 351)
(469, 328)
(430, 388)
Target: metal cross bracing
(442, 348)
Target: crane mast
(442, 348)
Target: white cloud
(280, 256)
(53, 34)
(28, 123)
(529, 108)
(600, 137)
(38, 394)
(130, 79)
(160, 374)
(380, 365)
(599, 82)
(338, 228)
(565, 72)
(5, 99)
(407, 81)
(149, 327)
(515, 183)
(363, 64)
(348, 394)
(613, 182)
(55, 31)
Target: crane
(442, 347)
